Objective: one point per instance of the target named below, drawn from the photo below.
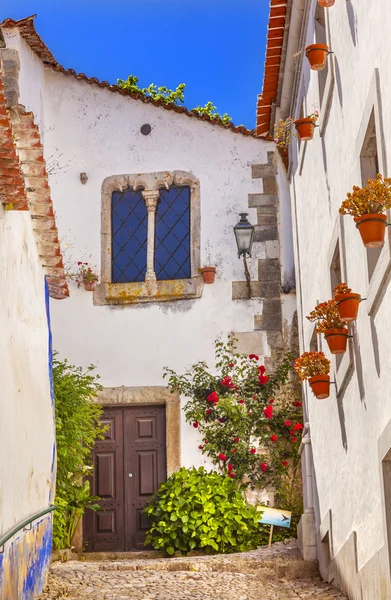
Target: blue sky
(216, 48)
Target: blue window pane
(172, 240)
(129, 229)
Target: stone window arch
(144, 285)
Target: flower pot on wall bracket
(89, 286)
(320, 385)
(317, 56)
(305, 128)
(372, 229)
(337, 340)
(347, 306)
(326, 3)
(208, 274)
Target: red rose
(253, 357)
(79, 263)
(263, 379)
(234, 387)
(241, 401)
(208, 411)
(292, 432)
(220, 420)
(232, 474)
(250, 413)
(234, 450)
(273, 438)
(213, 397)
(200, 446)
(225, 382)
(254, 397)
(297, 426)
(285, 463)
(262, 369)
(195, 424)
(287, 423)
(206, 442)
(271, 401)
(221, 456)
(231, 365)
(230, 467)
(268, 411)
(252, 451)
(297, 403)
(293, 439)
(263, 466)
(236, 439)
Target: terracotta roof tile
(22, 178)
(30, 35)
(275, 40)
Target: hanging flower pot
(347, 303)
(372, 229)
(326, 3)
(208, 274)
(337, 340)
(320, 385)
(317, 56)
(315, 367)
(89, 286)
(305, 128)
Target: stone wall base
(306, 537)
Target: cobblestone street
(275, 574)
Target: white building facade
(147, 195)
(347, 442)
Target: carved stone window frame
(150, 290)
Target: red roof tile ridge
(32, 38)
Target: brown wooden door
(129, 465)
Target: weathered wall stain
(25, 562)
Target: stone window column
(151, 198)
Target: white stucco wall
(345, 432)
(31, 76)
(98, 132)
(26, 424)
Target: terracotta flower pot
(320, 385)
(208, 274)
(326, 3)
(347, 306)
(317, 56)
(337, 340)
(305, 128)
(89, 285)
(372, 229)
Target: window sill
(150, 291)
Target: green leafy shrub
(77, 428)
(199, 510)
(175, 97)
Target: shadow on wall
(341, 416)
(24, 564)
(375, 345)
(338, 80)
(357, 357)
(352, 21)
(324, 156)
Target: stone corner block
(252, 342)
(240, 290)
(260, 171)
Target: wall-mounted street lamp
(244, 234)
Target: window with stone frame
(151, 234)
(369, 165)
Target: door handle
(130, 474)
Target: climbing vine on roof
(175, 97)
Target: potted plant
(86, 276)
(329, 323)
(208, 274)
(367, 205)
(326, 3)
(347, 303)
(315, 367)
(317, 56)
(305, 127)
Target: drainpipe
(305, 446)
